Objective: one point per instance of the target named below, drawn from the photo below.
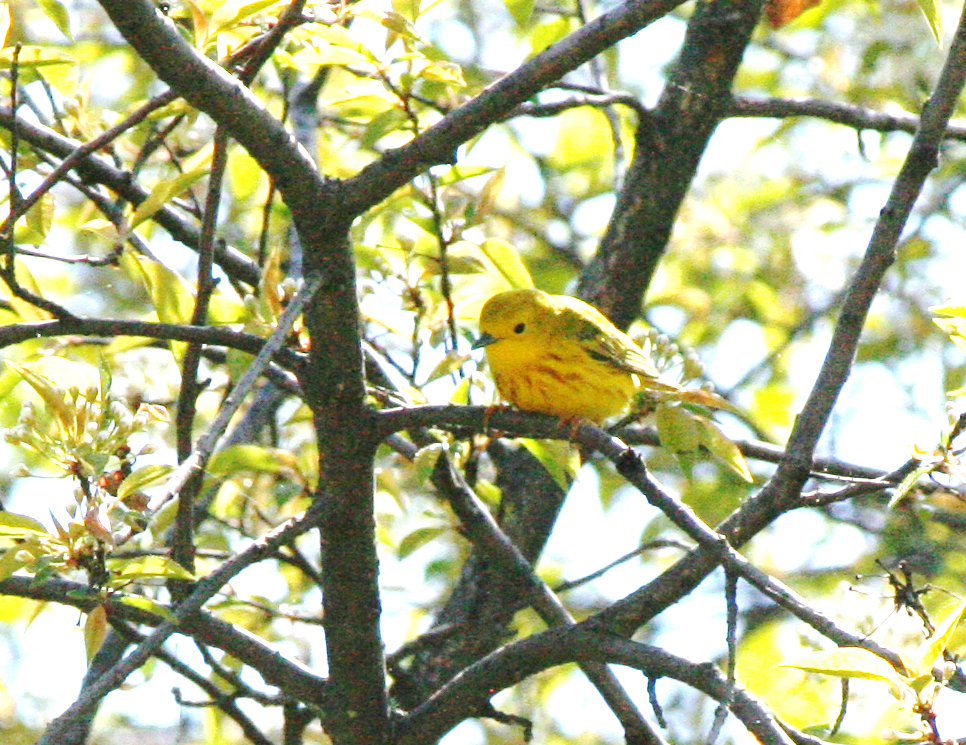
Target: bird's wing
(615, 348)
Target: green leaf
(419, 538)
(678, 430)
(95, 630)
(848, 662)
(57, 13)
(33, 57)
(520, 10)
(559, 457)
(936, 644)
(33, 228)
(257, 458)
(146, 604)
(233, 12)
(148, 567)
(933, 10)
(18, 526)
(11, 562)
(507, 261)
(142, 478)
(451, 363)
(164, 192)
(723, 448)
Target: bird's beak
(484, 340)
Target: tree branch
(438, 144)
(518, 660)
(857, 117)
(669, 145)
(204, 590)
(879, 256)
(95, 169)
(212, 336)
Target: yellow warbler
(561, 356)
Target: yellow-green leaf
(448, 73)
(490, 192)
(4, 23)
(463, 172)
(452, 362)
(330, 55)
(936, 644)
(954, 310)
(340, 36)
(723, 448)
(848, 662)
(34, 56)
(146, 604)
(257, 458)
(143, 478)
(173, 297)
(164, 192)
(57, 13)
(678, 430)
(933, 10)
(461, 393)
(95, 629)
(507, 261)
(148, 567)
(419, 538)
(64, 373)
(559, 457)
(12, 524)
(35, 225)
(520, 10)
(232, 12)
(12, 560)
(50, 377)
(425, 460)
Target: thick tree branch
(518, 660)
(438, 144)
(483, 530)
(669, 146)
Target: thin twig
(206, 444)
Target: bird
(559, 355)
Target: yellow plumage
(561, 356)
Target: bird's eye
(519, 328)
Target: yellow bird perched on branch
(558, 355)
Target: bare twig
(206, 444)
